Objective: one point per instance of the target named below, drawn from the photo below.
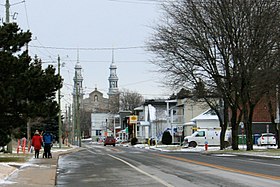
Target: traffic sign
(133, 119)
(180, 128)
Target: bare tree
(224, 45)
(129, 100)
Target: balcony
(177, 119)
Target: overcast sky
(60, 27)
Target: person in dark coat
(37, 143)
(48, 140)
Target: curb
(59, 154)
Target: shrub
(166, 138)
(134, 141)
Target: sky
(87, 30)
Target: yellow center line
(221, 167)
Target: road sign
(180, 128)
(133, 119)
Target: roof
(141, 108)
(207, 115)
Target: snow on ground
(7, 168)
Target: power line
(143, 1)
(99, 61)
(26, 15)
(134, 2)
(88, 48)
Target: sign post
(133, 120)
(241, 124)
(180, 132)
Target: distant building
(96, 102)
(104, 111)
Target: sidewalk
(35, 172)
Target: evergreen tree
(26, 90)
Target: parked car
(110, 140)
(267, 139)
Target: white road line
(143, 172)
(91, 152)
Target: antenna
(78, 56)
(112, 55)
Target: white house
(99, 125)
(154, 119)
(207, 119)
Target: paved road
(97, 165)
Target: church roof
(95, 91)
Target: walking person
(48, 139)
(37, 143)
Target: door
(200, 137)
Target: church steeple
(113, 78)
(78, 80)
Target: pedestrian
(48, 140)
(37, 143)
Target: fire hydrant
(206, 145)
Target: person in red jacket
(37, 143)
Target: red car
(110, 140)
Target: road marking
(143, 172)
(224, 155)
(221, 167)
(116, 150)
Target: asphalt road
(101, 166)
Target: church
(103, 110)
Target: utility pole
(59, 113)
(7, 6)
(69, 122)
(78, 111)
(277, 120)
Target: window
(98, 132)
(200, 134)
(95, 98)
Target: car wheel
(192, 144)
(114, 145)
(104, 144)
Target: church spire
(78, 78)
(113, 78)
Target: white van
(209, 136)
